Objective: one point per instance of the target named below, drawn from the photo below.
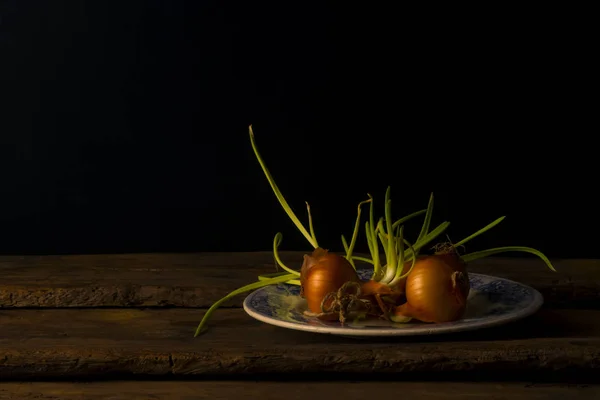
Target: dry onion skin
(404, 286)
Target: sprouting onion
(435, 286)
(315, 267)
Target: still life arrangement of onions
(405, 285)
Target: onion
(323, 273)
(436, 290)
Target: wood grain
(197, 280)
(102, 343)
(215, 390)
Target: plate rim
(533, 307)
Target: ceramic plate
(492, 301)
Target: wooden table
(70, 323)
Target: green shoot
(345, 244)
(278, 194)
(243, 289)
(349, 249)
(369, 240)
(392, 265)
(427, 219)
(402, 220)
(399, 275)
(276, 242)
(363, 259)
(373, 237)
(266, 277)
(426, 240)
(384, 241)
(479, 232)
(400, 244)
(391, 248)
(383, 238)
(379, 227)
(486, 253)
(310, 225)
(382, 235)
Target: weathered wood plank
(104, 343)
(187, 280)
(217, 390)
(197, 280)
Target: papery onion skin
(453, 260)
(436, 290)
(323, 273)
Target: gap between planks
(135, 390)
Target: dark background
(124, 124)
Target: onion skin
(323, 273)
(436, 290)
(371, 287)
(453, 260)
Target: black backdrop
(124, 124)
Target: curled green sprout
(350, 248)
(276, 242)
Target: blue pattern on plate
(492, 301)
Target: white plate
(492, 301)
